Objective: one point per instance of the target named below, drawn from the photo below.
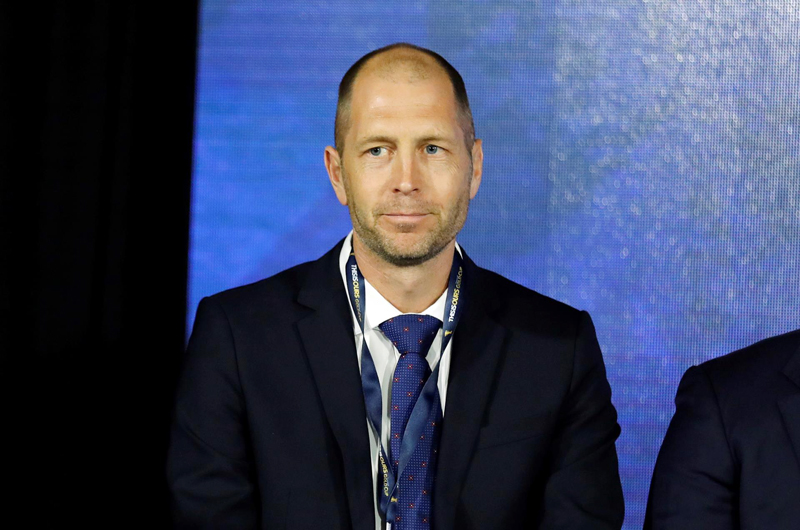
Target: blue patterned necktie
(412, 335)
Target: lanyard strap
(370, 384)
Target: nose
(407, 177)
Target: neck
(410, 289)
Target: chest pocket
(494, 435)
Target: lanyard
(387, 492)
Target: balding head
(402, 62)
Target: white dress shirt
(385, 357)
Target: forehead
(404, 96)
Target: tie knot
(411, 333)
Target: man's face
(405, 173)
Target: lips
(405, 218)
(403, 214)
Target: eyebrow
(375, 139)
(435, 139)
(388, 139)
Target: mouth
(405, 217)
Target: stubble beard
(385, 245)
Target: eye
(431, 149)
(376, 151)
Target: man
(731, 456)
(332, 396)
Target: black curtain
(96, 114)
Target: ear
(334, 166)
(477, 168)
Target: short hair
(346, 92)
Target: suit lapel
(327, 336)
(790, 405)
(477, 346)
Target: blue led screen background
(642, 162)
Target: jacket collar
(327, 336)
(477, 346)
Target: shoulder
(768, 356)
(279, 293)
(281, 287)
(266, 306)
(522, 308)
(746, 383)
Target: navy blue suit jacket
(731, 456)
(270, 427)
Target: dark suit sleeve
(209, 466)
(693, 483)
(583, 490)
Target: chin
(410, 253)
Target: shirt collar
(379, 309)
